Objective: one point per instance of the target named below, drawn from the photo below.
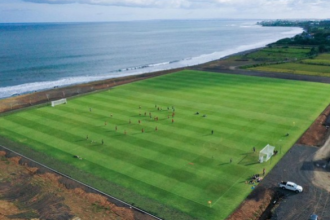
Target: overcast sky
(121, 10)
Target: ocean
(39, 56)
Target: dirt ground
(26, 194)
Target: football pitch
(184, 140)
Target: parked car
(291, 186)
(313, 217)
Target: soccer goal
(266, 153)
(59, 102)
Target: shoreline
(130, 75)
(29, 99)
(41, 96)
(25, 88)
(47, 95)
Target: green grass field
(181, 165)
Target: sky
(126, 10)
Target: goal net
(59, 102)
(266, 153)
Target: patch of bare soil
(27, 194)
(254, 205)
(317, 133)
(322, 167)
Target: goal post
(266, 153)
(58, 102)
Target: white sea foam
(38, 86)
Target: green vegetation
(278, 54)
(323, 59)
(316, 34)
(319, 66)
(303, 54)
(181, 165)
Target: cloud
(125, 3)
(194, 3)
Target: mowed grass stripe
(200, 123)
(177, 153)
(64, 134)
(252, 106)
(275, 108)
(182, 164)
(224, 126)
(221, 112)
(159, 170)
(269, 88)
(234, 93)
(190, 205)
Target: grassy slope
(323, 59)
(181, 165)
(319, 66)
(275, 54)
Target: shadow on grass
(249, 159)
(81, 140)
(221, 164)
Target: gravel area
(304, 166)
